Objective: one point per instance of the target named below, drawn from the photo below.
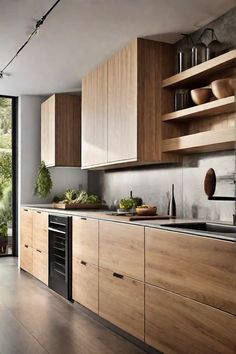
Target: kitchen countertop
(106, 215)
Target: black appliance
(60, 248)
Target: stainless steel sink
(205, 227)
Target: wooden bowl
(148, 211)
(222, 88)
(201, 95)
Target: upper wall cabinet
(60, 130)
(121, 107)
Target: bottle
(172, 204)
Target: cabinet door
(85, 284)
(121, 248)
(85, 239)
(121, 301)
(40, 231)
(176, 324)
(26, 258)
(201, 268)
(48, 131)
(122, 105)
(40, 266)
(94, 117)
(26, 227)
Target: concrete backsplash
(153, 183)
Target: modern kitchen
(118, 170)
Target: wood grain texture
(122, 104)
(85, 239)
(121, 301)
(94, 117)
(200, 71)
(85, 284)
(48, 131)
(26, 258)
(121, 248)
(40, 231)
(177, 325)
(26, 227)
(201, 268)
(68, 130)
(40, 266)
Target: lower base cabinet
(121, 301)
(40, 266)
(26, 258)
(85, 284)
(176, 324)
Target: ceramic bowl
(201, 95)
(222, 88)
(147, 211)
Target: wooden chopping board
(140, 217)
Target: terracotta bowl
(148, 211)
(222, 88)
(201, 95)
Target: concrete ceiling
(79, 34)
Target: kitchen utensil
(201, 95)
(146, 211)
(222, 88)
(130, 217)
(210, 183)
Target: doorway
(8, 176)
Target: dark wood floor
(34, 320)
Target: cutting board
(139, 217)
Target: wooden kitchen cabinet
(40, 265)
(128, 107)
(26, 227)
(94, 117)
(175, 324)
(121, 301)
(60, 130)
(85, 284)
(26, 258)
(121, 248)
(85, 239)
(198, 267)
(40, 231)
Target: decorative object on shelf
(73, 199)
(43, 184)
(182, 99)
(222, 88)
(199, 51)
(184, 56)
(201, 95)
(215, 47)
(146, 210)
(172, 203)
(210, 186)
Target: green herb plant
(43, 184)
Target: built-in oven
(60, 248)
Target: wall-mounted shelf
(224, 105)
(201, 71)
(212, 140)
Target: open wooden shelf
(224, 105)
(201, 71)
(213, 140)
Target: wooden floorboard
(34, 320)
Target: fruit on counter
(72, 196)
(126, 203)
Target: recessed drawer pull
(39, 212)
(83, 218)
(84, 263)
(26, 210)
(117, 275)
(39, 251)
(26, 246)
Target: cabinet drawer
(40, 231)
(121, 248)
(85, 239)
(176, 324)
(26, 227)
(26, 258)
(121, 301)
(40, 266)
(85, 284)
(201, 268)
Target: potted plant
(43, 184)
(3, 237)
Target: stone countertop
(163, 224)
